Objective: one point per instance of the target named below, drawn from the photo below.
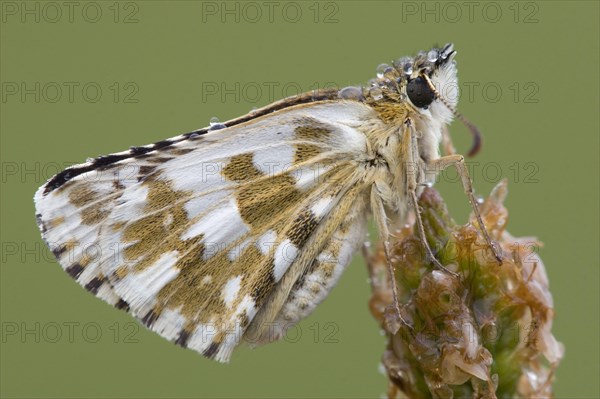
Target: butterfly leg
(447, 144)
(411, 153)
(384, 235)
(459, 162)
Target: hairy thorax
(389, 160)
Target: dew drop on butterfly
(432, 55)
(350, 93)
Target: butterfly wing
(204, 235)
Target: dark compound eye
(419, 92)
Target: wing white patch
(170, 323)
(234, 334)
(231, 290)
(140, 289)
(198, 205)
(266, 242)
(322, 206)
(308, 176)
(274, 161)
(220, 228)
(238, 249)
(204, 334)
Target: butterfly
(235, 232)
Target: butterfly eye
(419, 92)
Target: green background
(543, 125)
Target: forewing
(194, 235)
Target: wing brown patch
(74, 270)
(304, 152)
(94, 214)
(57, 221)
(212, 350)
(195, 298)
(94, 284)
(183, 337)
(121, 304)
(261, 282)
(118, 226)
(93, 211)
(263, 201)
(82, 195)
(241, 168)
(302, 227)
(152, 234)
(312, 130)
(67, 247)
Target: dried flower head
(486, 334)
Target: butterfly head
(426, 86)
(428, 81)
(432, 85)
